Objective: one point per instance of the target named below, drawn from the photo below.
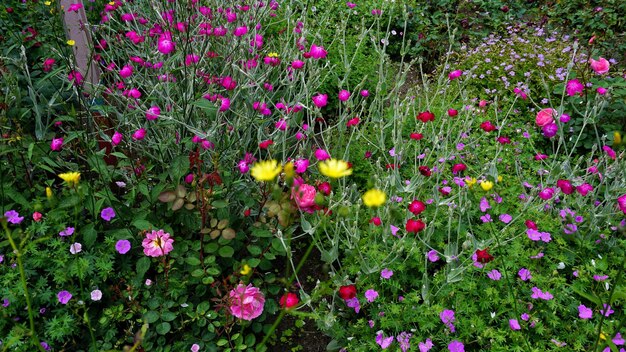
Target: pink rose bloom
(545, 117)
(621, 202)
(246, 302)
(56, 144)
(601, 66)
(304, 195)
(157, 243)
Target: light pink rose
(304, 196)
(246, 302)
(601, 66)
(157, 243)
(545, 117)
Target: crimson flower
(483, 256)
(426, 116)
(417, 207)
(347, 292)
(425, 171)
(289, 300)
(565, 186)
(456, 168)
(414, 226)
(265, 144)
(416, 136)
(487, 126)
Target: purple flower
(13, 217)
(45, 345)
(64, 297)
(394, 230)
(538, 236)
(506, 218)
(5, 302)
(618, 339)
(514, 324)
(456, 346)
(383, 342)
(524, 274)
(600, 277)
(447, 317)
(425, 346)
(486, 218)
(525, 316)
(107, 214)
(371, 295)
(484, 204)
(607, 310)
(494, 275)
(122, 246)
(354, 303)
(570, 229)
(403, 340)
(584, 312)
(67, 232)
(537, 293)
(386, 273)
(432, 256)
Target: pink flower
(574, 87)
(321, 155)
(116, 139)
(514, 324)
(37, 216)
(246, 302)
(609, 151)
(289, 300)
(371, 295)
(456, 346)
(64, 297)
(126, 71)
(47, 64)
(139, 134)
(455, 74)
(122, 246)
(546, 193)
(301, 165)
(153, 113)
(601, 66)
(494, 275)
(297, 64)
(344, 95)
(320, 100)
(76, 248)
(224, 104)
(75, 7)
(550, 130)
(584, 189)
(165, 44)
(565, 186)
(317, 52)
(56, 144)
(382, 341)
(157, 243)
(621, 203)
(304, 196)
(544, 117)
(353, 122)
(601, 90)
(240, 31)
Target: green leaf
(142, 224)
(226, 251)
(151, 317)
(89, 235)
(143, 264)
(219, 203)
(168, 316)
(254, 250)
(163, 328)
(193, 261)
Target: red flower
(417, 207)
(530, 224)
(426, 116)
(324, 188)
(376, 221)
(353, 122)
(483, 256)
(504, 140)
(414, 226)
(487, 126)
(265, 144)
(456, 168)
(347, 292)
(565, 186)
(416, 136)
(452, 112)
(425, 171)
(289, 300)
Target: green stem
(18, 254)
(608, 304)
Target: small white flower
(96, 295)
(76, 248)
(561, 266)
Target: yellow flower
(47, 3)
(290, 172)
(265, 170)
(48, 192)
(245, 270)
(335, 168)
(602, 336)
(272, 55)
(486, 185)
(499, 178)
(374, 198)
(471, 182)
(71, 42)
(617, 138)
(71, 178)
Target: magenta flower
(157, 243)
(139, 134)
(165, 44)
(621, 203)
(344, 95)
(122, 246)
(64, 297)
(537, 293)
(56, 144)
(404, 340)
(240, 31)
(153, 113)
(506, 218)
(609, 151)
(48, 64)
(606, 311)
(246, 302)
(584, 189)
(354, 304)
(456, 346)
(317, 52)
(514, 324)
(67, 232)
(494, 275)
(301, 165)
(550, 130)
(425, 346)
(382, 341)
(126, 71)
(13, 217)
(321, 155)
(116, 139)
(297, 64)
(584, 312)
(447, 317)
(574, 87)
(432, 256)
(107, 214)
(455, 74)
(484, 204)
(320, 100)
(371, 295)
(546, 193)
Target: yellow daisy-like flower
(335, 168)
(617, 138)
(486, 185)
(245, 270)
(471, 182)
(71, 178)
(374, 198)
(265, 170)
(71, 42)
(48, 192)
